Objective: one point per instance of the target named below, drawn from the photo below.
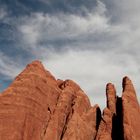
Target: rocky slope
(36, 106)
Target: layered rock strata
(36, 106)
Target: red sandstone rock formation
(131, 111)
(36, 106)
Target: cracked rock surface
(36, 106)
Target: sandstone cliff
(36, 106)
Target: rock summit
(36, 106)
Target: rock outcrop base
(36, 106)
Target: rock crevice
(36, 106)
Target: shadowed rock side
(105, 127)
(36, 106)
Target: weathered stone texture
(36, 106)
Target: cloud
(40, 28)
(3, 13)
(95, 30)
(93, 70)
(8, 67)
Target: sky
(92, 42)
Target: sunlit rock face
(36, 106)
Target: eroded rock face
(105, 128)
(36, 106)
(131, 111)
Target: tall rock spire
(131, 111)
(111, 97)
(26, 106)
(36, 106)
(105, 127)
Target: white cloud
(41, 27)
(93, 70)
